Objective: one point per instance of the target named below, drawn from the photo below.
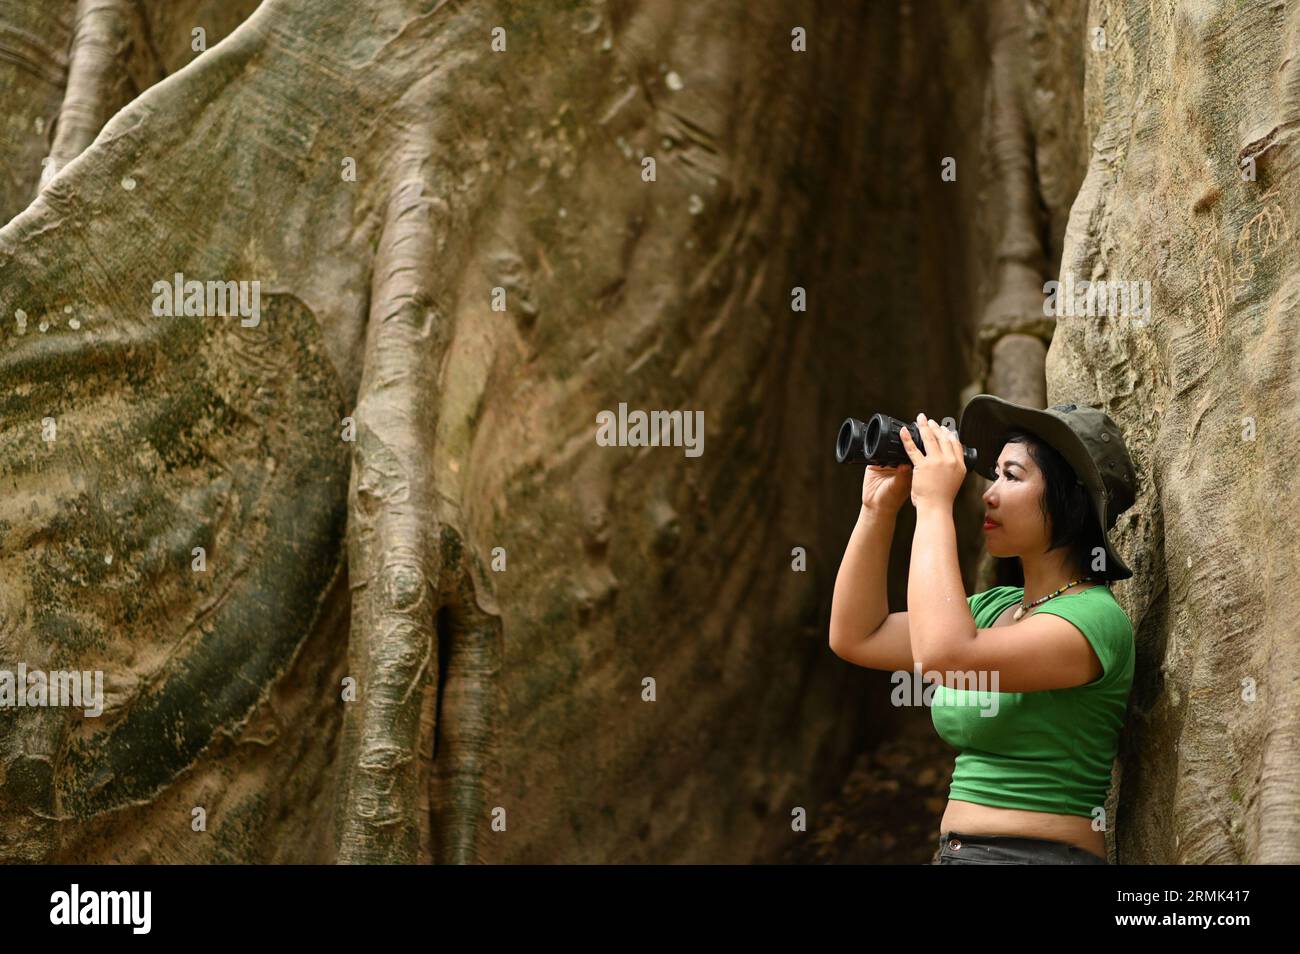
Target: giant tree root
(175, 434)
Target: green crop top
(1048, 751)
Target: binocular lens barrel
(878, 441)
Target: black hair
(1066, 503)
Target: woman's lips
(989, 525)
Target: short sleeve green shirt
(1048, 751)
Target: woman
(1052, 660)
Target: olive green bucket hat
(1088, 440)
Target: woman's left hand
(937, 474)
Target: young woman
(1049, 665)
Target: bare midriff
(972, 818)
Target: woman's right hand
(886, 489)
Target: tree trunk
(362, 583)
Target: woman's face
(1014, 502)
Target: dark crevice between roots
(465, 715)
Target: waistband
(1013, 841)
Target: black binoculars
(878, 442)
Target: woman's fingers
(943, 440)
(933, 442)
(939, 440)
(953, 448)
(958, 450)
(954, 442)
(908, 445)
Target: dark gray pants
(956, 848)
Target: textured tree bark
(1032, 187)
(34, 40)
(109, 43)
(396, 560)
(498, 586)
(1205, 393)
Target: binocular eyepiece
(879, 442)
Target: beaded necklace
(1025, 609)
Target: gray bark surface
(357, 463)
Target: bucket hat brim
(986, 418)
